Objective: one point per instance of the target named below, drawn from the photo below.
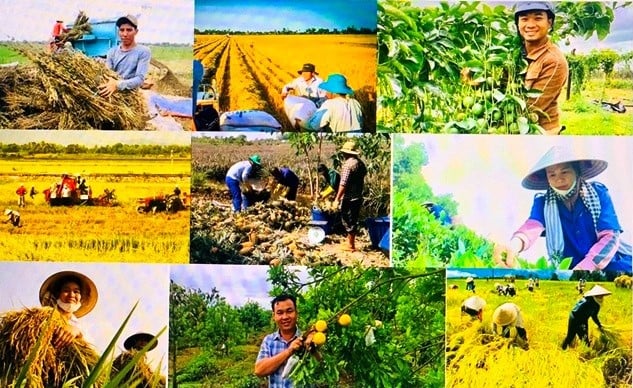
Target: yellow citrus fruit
(318, 338)
(344, 320)
(320, 325)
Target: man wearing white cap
(577, 216)
(129, 59)
(474, 307)
(589, 306)
(507, 317)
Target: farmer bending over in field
(340, 112)
(130, 60)
(278, 347)
(287, 178)
(240, 173)
(507, 319)
(13, 217)
(470, 284)
(350, 192)
(474, 307)
(306, 85)
(331, 178)
(589, 306)
(547, 66)
(141, 371)
(577, 216)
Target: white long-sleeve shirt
(240, 171)
(340, 114)
(309, 89)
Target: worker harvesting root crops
(63, 353)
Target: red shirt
(58, 28)
(21, 191)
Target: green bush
(200, 367)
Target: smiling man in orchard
(547, 67)
(130, 60)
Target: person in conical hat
(470, 284)
(141, 371)
(474, 307)
(577, 216)
(588, 306)
(507, 319)
(74, 295)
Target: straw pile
(81, 26)
(140, 373)
(19, 331)
(59, 91)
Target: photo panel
(476, 202)
(305, 199)
(285, 65)
(504, 67)
(104, 64)
(386, 324)
(578, 322)
(98, 197)
(39, 307)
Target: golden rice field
(252, 69)
(478, 360)
(94, 233)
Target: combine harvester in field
(207, 118)
(73, 190)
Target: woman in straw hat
(506, 318)
(340, 112)
(63, 353)
(470, 284)
(474, 307)
(141, 371)
(577, 216)
(350, 191)
(588, 306)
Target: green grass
(8, 56)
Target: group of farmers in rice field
(64, 346)
(508, 321)
(243, 179)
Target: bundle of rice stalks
(608, 340)
(59, 91)
(51, 367)
(617, 368)
(80, 27)
(141, 373)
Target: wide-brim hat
(336, 83)
(7, 212)
(129, 342)
(597, 291)
(256, 159)
(536, 179)
(505, 314)
(475, 303)
(350, 147)
(127, 19)
(308, 67)
(89, 294)
(469, 279)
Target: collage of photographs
(345, 193)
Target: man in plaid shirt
(277, 347)
(350, 192)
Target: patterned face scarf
(554, 236)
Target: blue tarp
(175, 106)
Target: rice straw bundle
(51, 367)
(141, 372)
(80, 27)
(60, 91)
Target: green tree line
(42, 147)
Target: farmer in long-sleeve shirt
(239, 173)
(130, 60)
(287, 178)
(578, 217)
(350, 191)
(589, 306)
(340, 112)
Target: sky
(93, 138)
(33, 20)
(267, 15)
(119, 286)
(237, 283)
(484, 173)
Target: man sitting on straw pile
(63, 353)
(589, 306)
(141, 371)
(130, 60)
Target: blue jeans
(239, 200)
